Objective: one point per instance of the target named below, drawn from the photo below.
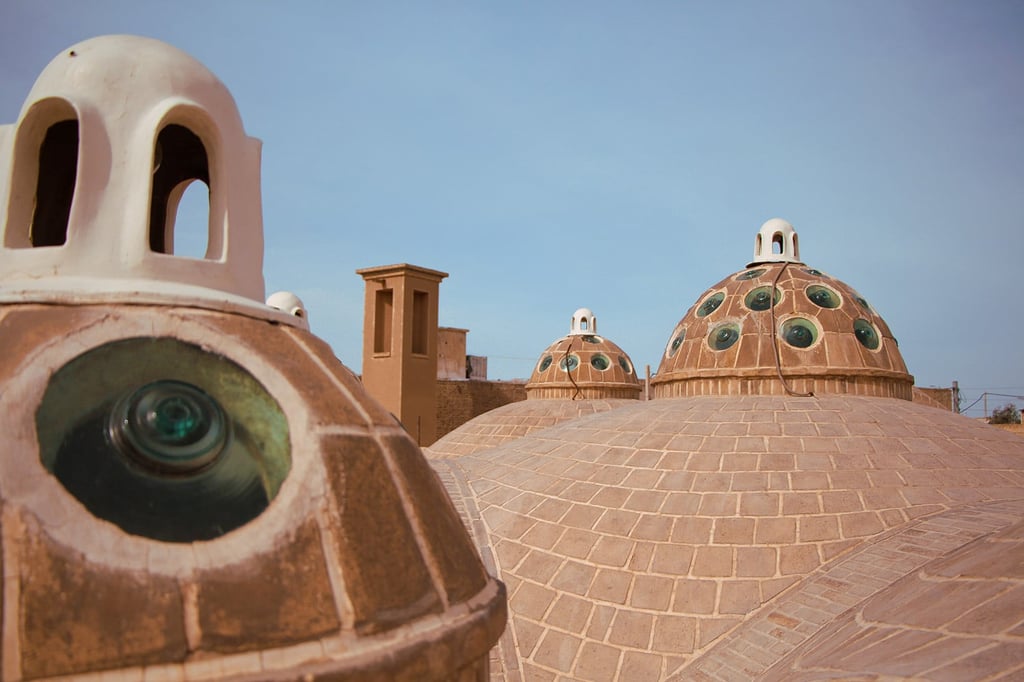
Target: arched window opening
(583, 324)
(777, 247)
(179, 212)
(188, 210)
(55, 186)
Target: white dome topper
(113, 132)
(583, 322)
(776, 242)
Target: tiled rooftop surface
(513, 421)
(642, 540)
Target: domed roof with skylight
(778, 327)
(583, 364)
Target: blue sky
(618, 156)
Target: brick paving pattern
(636, 542)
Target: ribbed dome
(584, 365)
(779, 323)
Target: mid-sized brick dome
(780, 326)
(583, 365)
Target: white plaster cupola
(776, 242)
(114, 132)
(583, 322)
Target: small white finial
(288, 302)
(583, 322)
(776, 242)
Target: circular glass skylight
(866, 334)
(724, 336)
(761, 298)
(710, 304)
(600, 362)
(799, 332)
(544, 363)
(569, 363)
(750, 274)
(823, 296)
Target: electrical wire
(775, 339)
(568, 370)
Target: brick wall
(460, 401)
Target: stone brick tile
(577, 543)
(652, 592)
(849, 479)
(693, 530)
(860, 524)
(739, 597)
(836, 501)
(569, 613)
(643, 479)
(745, 458)
(776, 461)
(772, 587)
(695, 596)
(809, 480)
(550, 509)
(733, 531)
(672, 559)
(798, 559)
(710, 629)
(610, 475)
(756, 562)
(611, 497)
(574, 577)
(582, 516)
(641, 667)
(674, 634)
(794, 504)
(617, 521)
(759, 503)
(773, 531)
(713, 562)
(532, 673)
(1007, 657)
(748, 481)
(598, 662)
(681, 503)
(712, 482)
(527, 634)
(557, 650)
(611, 551)
(539, 566)
(640, 557)
(817, 528)
(610, 585)
(600, 621)
(645, 500)
(653, 527)
(510, 553)
(543, 535)
(718, 504)
(631, 629)
(532, 600)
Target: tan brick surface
(730, 533)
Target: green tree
(1007, 414)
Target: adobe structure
(781, 511)
(192, 486)
(580, 373)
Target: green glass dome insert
(625, 364)
(724, 336)
(677, 341)
(799, 332)
(750, 274)
(761, 298)
(600, 362)
(823, 297)
(866, 334)
(545, 363)
(711, 304)
(568, 364)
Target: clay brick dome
(193, 487)
(780, 325)
(583, 365)
(712, 537)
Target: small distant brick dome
(583, 365)
(780, 326)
